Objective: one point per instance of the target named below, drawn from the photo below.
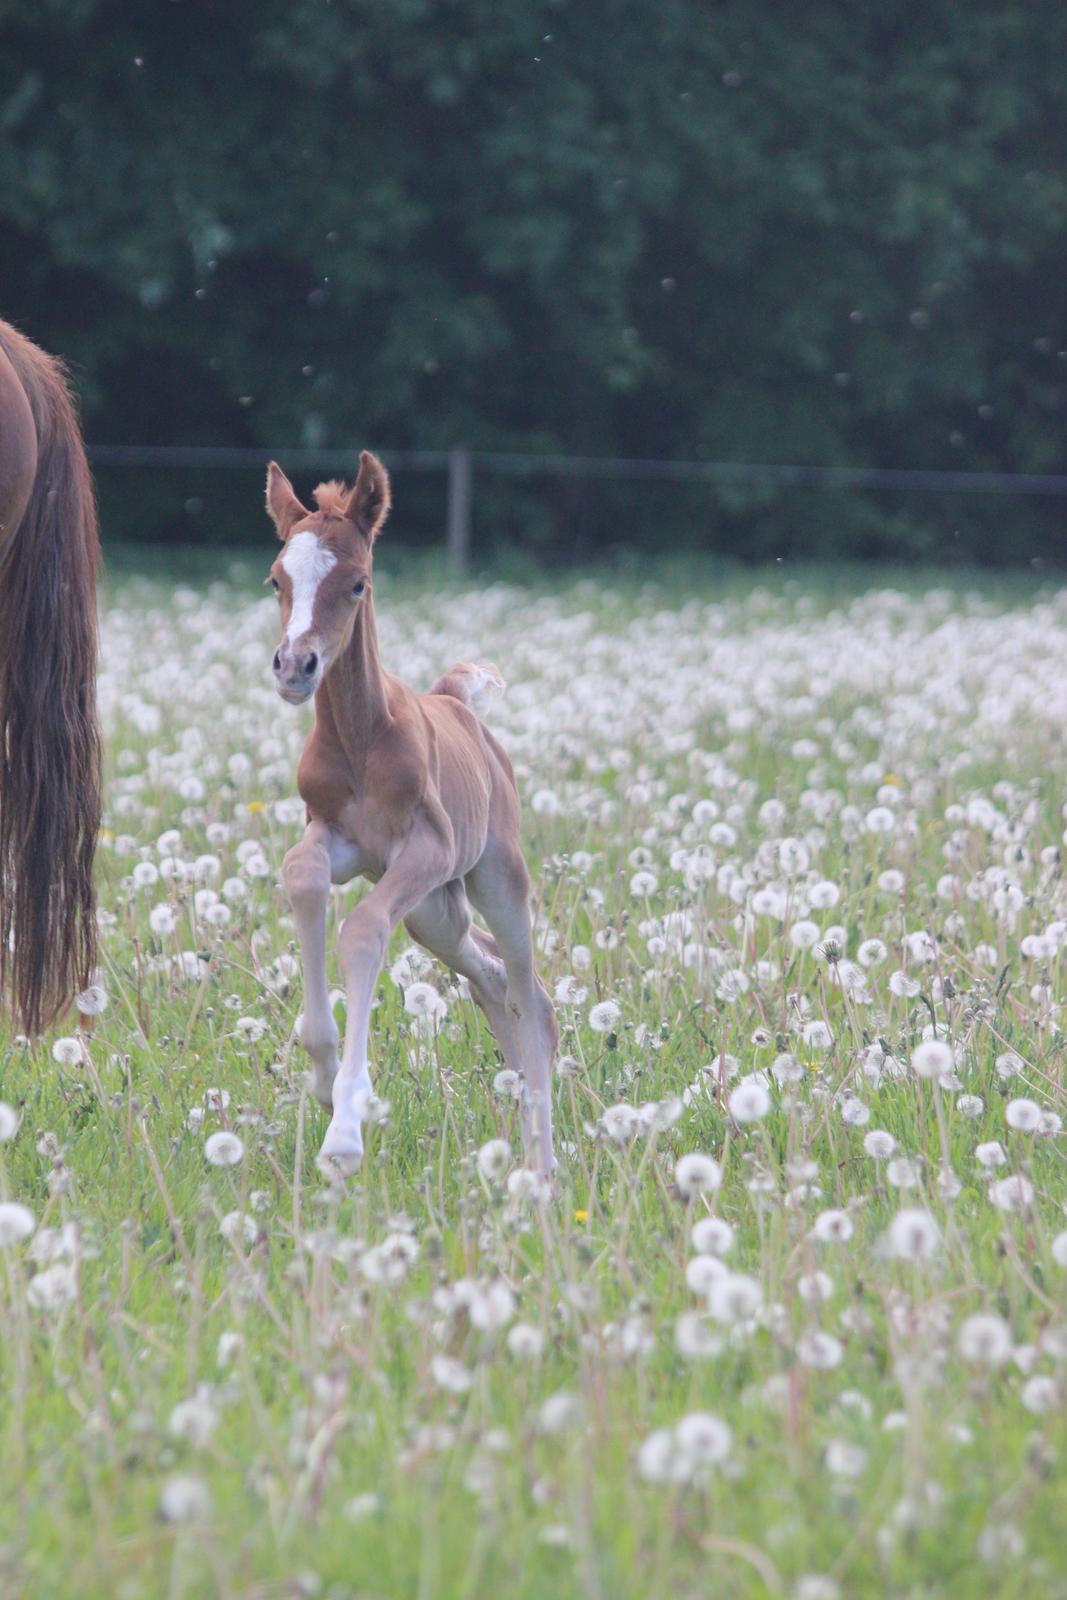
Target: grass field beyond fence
(792, 1319)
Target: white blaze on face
(307, 563)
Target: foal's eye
(358, 588)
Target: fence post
(459, 508)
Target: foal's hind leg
(306, 872)
(500, 888)
(442, 924)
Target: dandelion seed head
(223, 1149)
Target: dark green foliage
(603, 227)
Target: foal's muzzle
(297, 673)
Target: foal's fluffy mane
(332, 498)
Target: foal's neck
(351, 703)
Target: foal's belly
(348, 860)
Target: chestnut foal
(409, 790)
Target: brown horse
(409, 790)
(49, 739)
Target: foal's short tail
(49, 738)
(468, 681)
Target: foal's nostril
(310, 664)
(277, 662)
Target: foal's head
(323, 571)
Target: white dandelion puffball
(845, 1460)
(162, 920)
(494, 1158)
(508, 1084)
(903, 1173)
(422, 1000)
(659, 1460)
(559, 1412)
(932, 1058)
(525, 1342)
(1059, 1249)
(193, 1420)
(695, 1340)
(526, 1185)
(493, 1307)
(230, 1345)
(804, 935)
(1040, 1395)
(621, 1123)
(833, 1227)
(450, 1375)
(702, 1272)
(985, 1338)
(184, 1499)
(16, 1222)
(814, 1586)
(223, 1149)
(9, 1122)
(1023, 1115)
(793, 856)
(697, 1174)
(68, 1052)
(1012, 1194)
(817, 1035)
(604, 1016)
(704, 1437)
(734, 1298)
(53, 1288)
(92, 1002)
(749, 1101)
(913, 1235)
(712, 1236)
(819, 1350)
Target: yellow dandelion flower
(256, 808)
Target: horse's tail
(468, 681)
(49, 737)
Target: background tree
(613, 227)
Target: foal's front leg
(306, 872)
(419, 869)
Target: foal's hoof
(339, 1168)
(341, 1155)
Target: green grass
(331, 1392)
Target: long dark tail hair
(49, 736)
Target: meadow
(792, 1317)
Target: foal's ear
(283, 508)
(368, 504)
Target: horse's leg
(306, 872)
(442, 925)
(500, 887)
(420, 868)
